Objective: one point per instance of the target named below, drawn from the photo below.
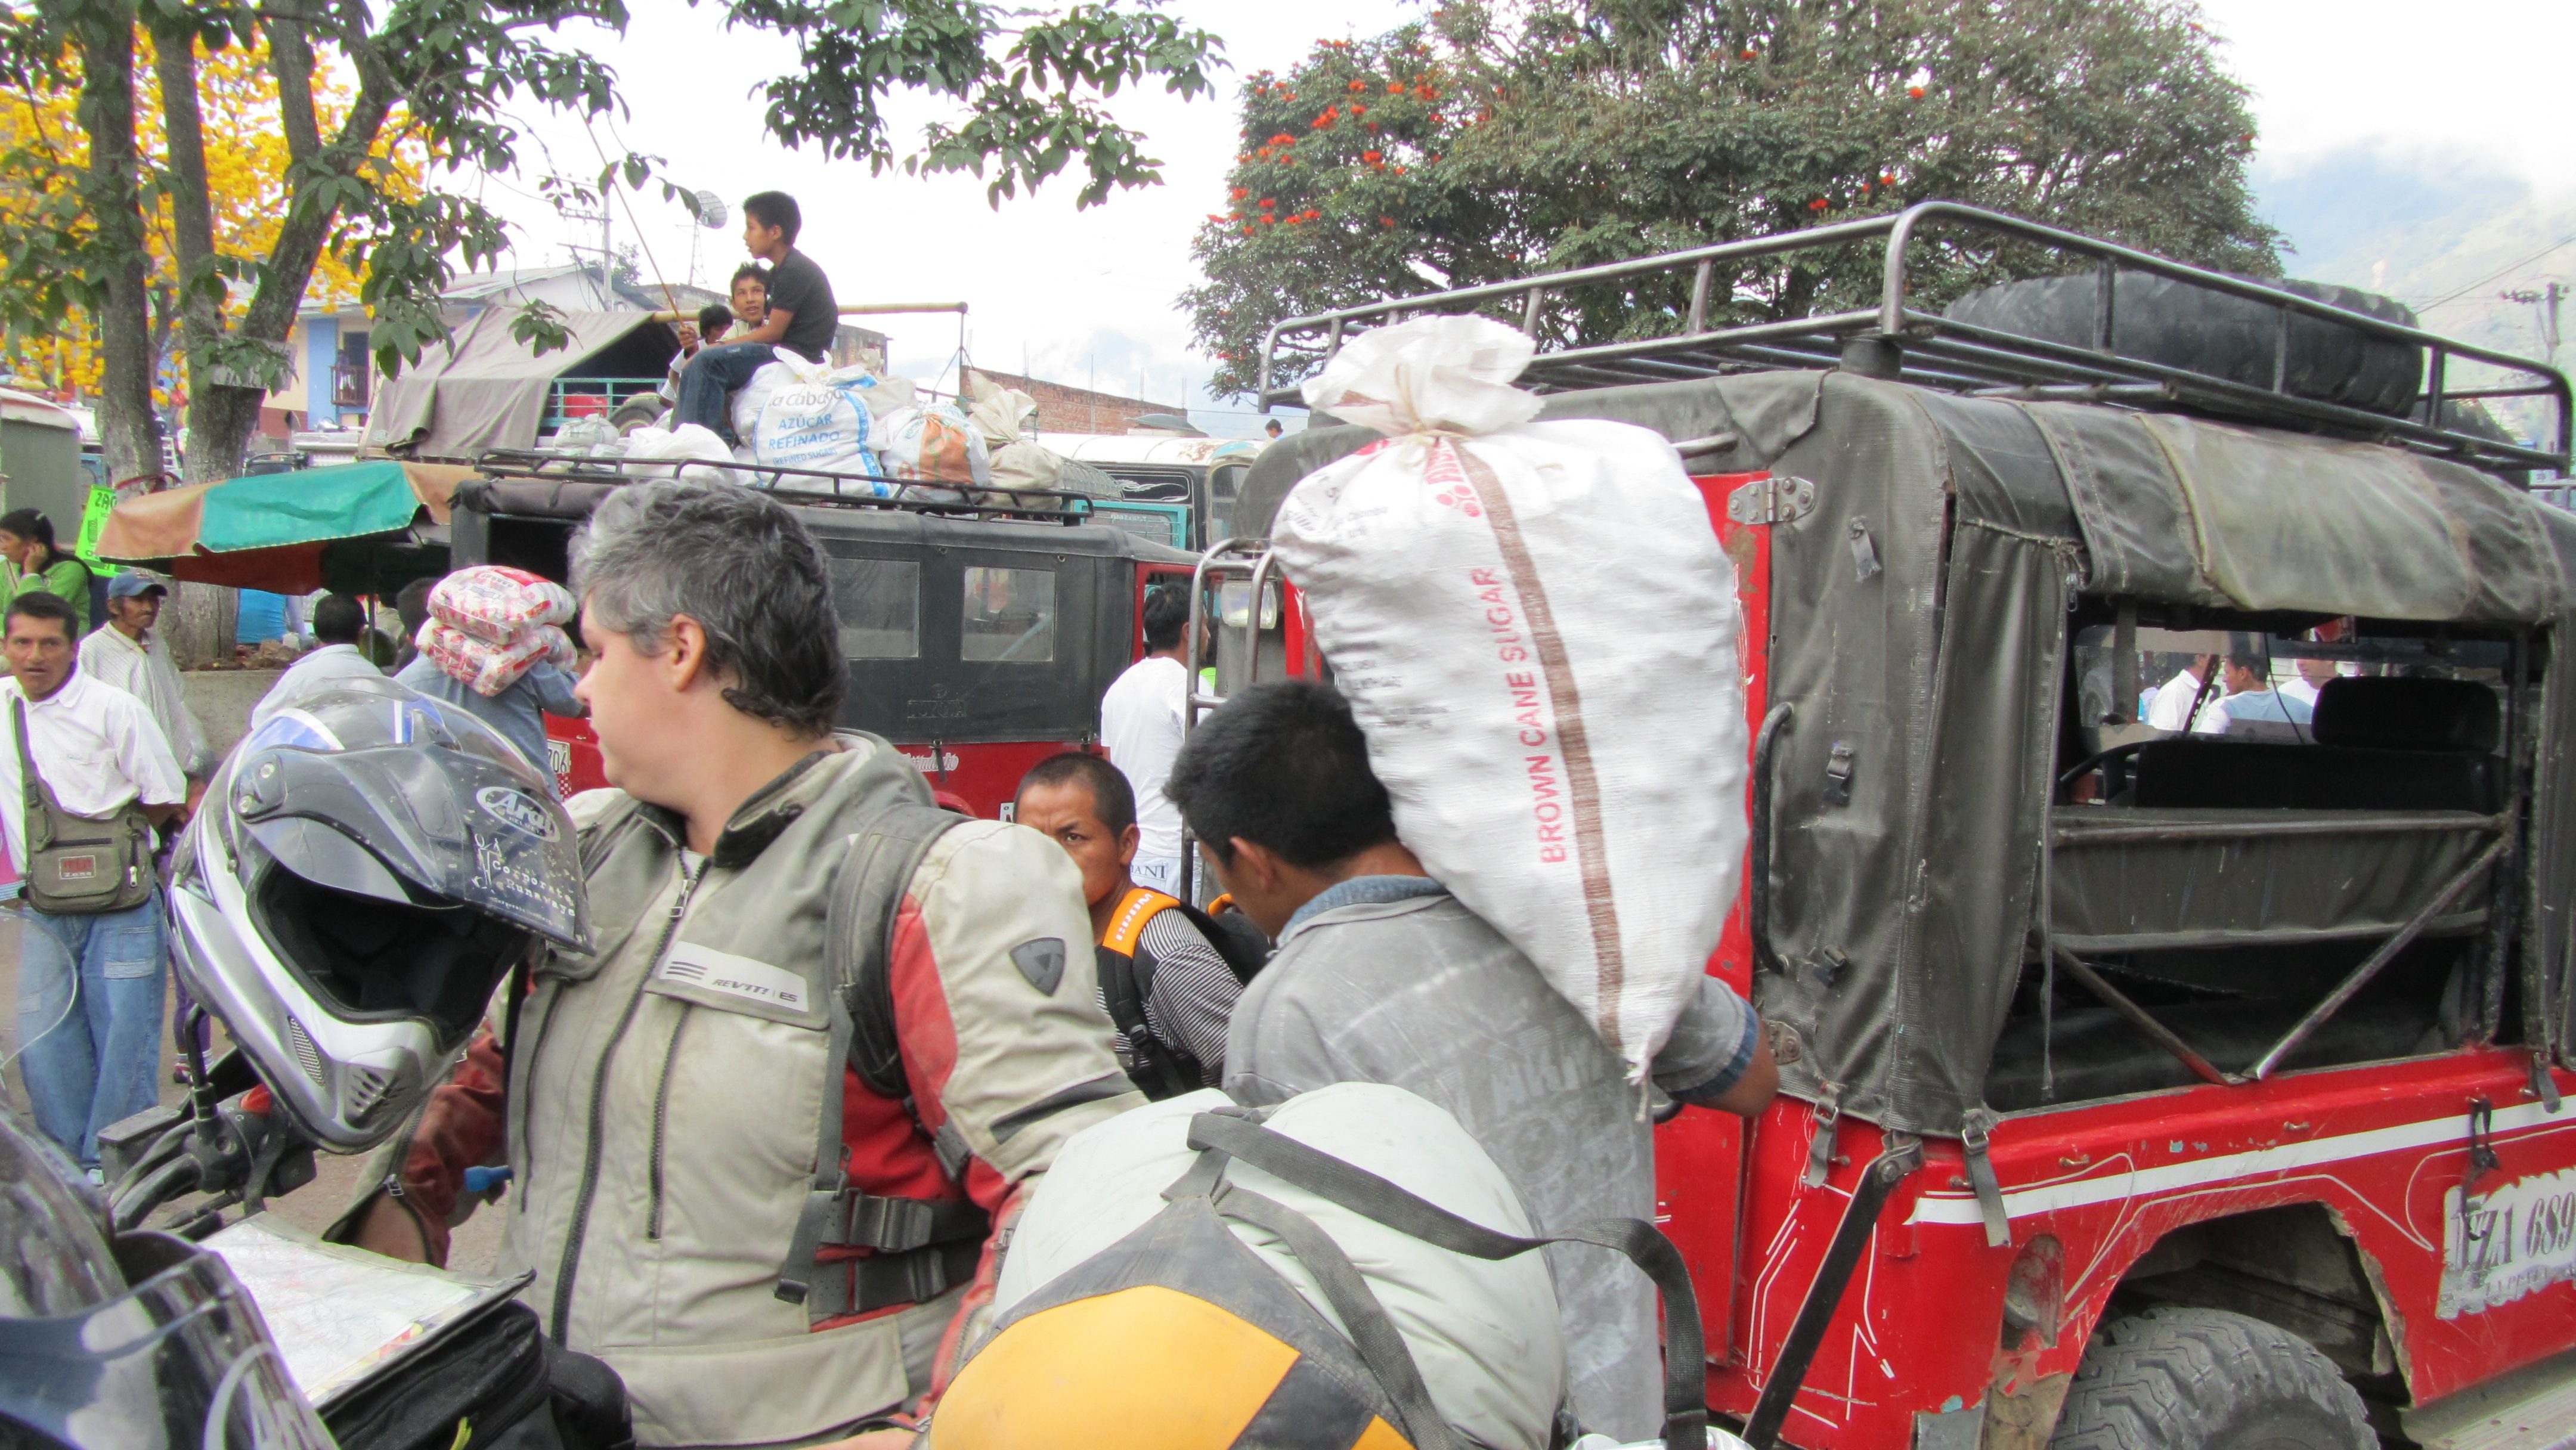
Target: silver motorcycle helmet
(367, 866)
(141, 1341)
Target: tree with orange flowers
(1490, 142)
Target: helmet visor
(357, 795)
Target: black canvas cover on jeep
(1921, 615)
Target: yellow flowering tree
(246, 162)
(1024, 87)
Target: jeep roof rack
(806, 487)
(1896, 340)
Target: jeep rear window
(2303, 881)
(880, 606)
(2217, 686)
(1009, 616)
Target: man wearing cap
(130, 654)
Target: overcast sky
(2421, 147)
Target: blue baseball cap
(127, 586)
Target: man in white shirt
(89, 986)
(2311, 680)
(2172, 711)
(337, 623)
(130, 654)
(1140, 724)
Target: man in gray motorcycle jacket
(769, 1245)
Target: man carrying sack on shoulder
(84, 780)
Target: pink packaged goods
(487, 667)
(495, 604)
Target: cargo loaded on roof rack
(2113, 340)
(573, 480)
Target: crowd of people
(762, 1149)
(2212, 693)
(654, 1211)
(658, 1117)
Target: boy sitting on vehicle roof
(1382, 976)
(715, 321)
(801, 317)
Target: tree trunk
(198, 623)
(129, 432)
(221, 418)
(214, 448)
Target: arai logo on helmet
(513, 809)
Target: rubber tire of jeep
(2212, 333)
(2178, 1378)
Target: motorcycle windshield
(183, 1360)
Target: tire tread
(2181, 1378)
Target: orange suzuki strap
(1127, 923)
(1126, 978)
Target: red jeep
(2142, 1088)
(980, 638)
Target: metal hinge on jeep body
(1772, 501)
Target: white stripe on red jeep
(2248, 1168)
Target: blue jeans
(708, 383)
(89, 1020)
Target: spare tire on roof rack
(2160, 320)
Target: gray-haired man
(667, 1096)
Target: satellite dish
(711, 209)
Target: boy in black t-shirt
(802, 316)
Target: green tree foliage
(1028, 83)
(451, 77)
(1492, 141)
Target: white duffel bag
(1001, 418)
(1483, 1332)
(933, 443)
(1537, 630)
(754, 393)
(685, 452)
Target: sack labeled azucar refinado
(1537, 630)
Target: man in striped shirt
(1168, 992)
